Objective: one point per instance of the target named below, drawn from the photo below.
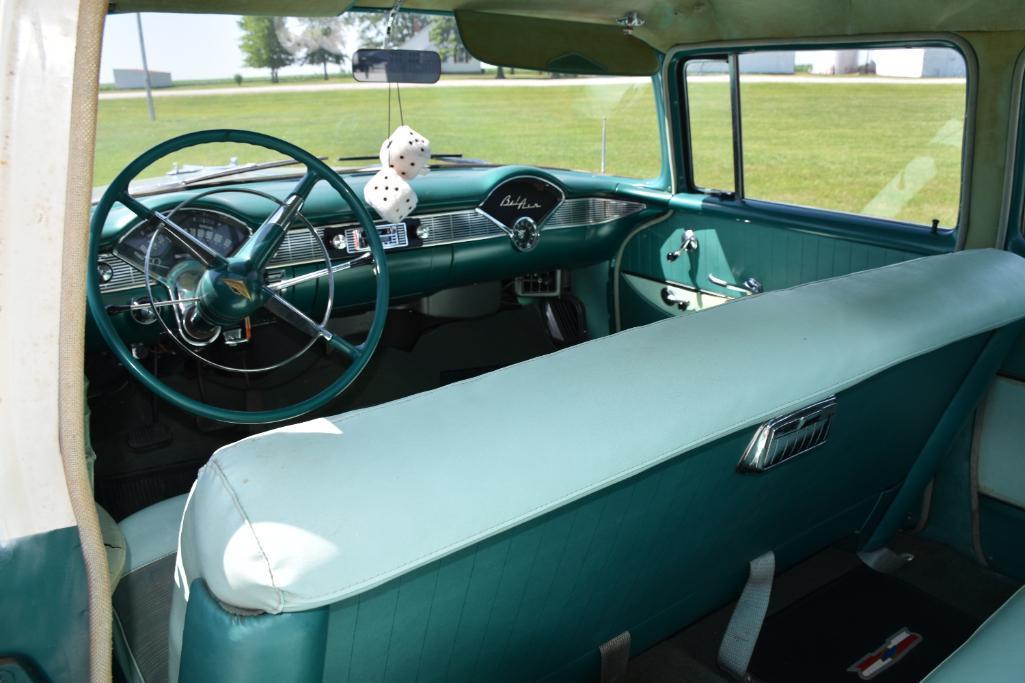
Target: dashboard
(461, 233)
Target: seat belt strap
(615, 658)
(738, 643)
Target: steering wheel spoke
(284, 310)
(347, 348)
(262, 244)
(317, 274)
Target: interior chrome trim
(447, 227)
(786, 437)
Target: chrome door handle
(689, 243)
(749, 286)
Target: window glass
(711, 124)
(289, 77)
(876, 132)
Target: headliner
(674, 22)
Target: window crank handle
(689, 243)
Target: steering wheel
(223, 291)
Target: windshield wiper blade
(236, 170)
(440, 159)
(374, 157)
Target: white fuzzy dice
(404, 155)
(390, 195)
(406, 152)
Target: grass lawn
(890, 150)
(551, 126)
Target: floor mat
(863, 626)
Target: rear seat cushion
(373, 494)
(995, 653)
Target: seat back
(502, 528)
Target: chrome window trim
(596, 211)
(766, 45)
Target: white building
(463, 63)
(833, 62)
(919, 62)
(126, 79)
(751, 63)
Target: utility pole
(145, 69)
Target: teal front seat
(995, 653)
(502, 528)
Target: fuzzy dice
(404, 155)
(407, 152)
(390, 195)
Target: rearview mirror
(396, 66)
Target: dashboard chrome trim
(446, 228)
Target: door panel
(744, 242)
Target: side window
(710, 122)
(867, 131)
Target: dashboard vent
(785, 438)
(539, 284)
(299, 246)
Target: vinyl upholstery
(994, 653)
(458, 496)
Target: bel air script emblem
(521, 203)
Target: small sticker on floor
(891, 652)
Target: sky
(190, 46)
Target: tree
(373, 28)
(262, 44)
(320, 42)
(445, 37)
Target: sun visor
(311, 8)
(549, 45)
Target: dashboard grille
(591, 211)
(299, 247)
(457, 227)
(125, 276)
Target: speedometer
(223, 233)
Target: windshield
(290, 77)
